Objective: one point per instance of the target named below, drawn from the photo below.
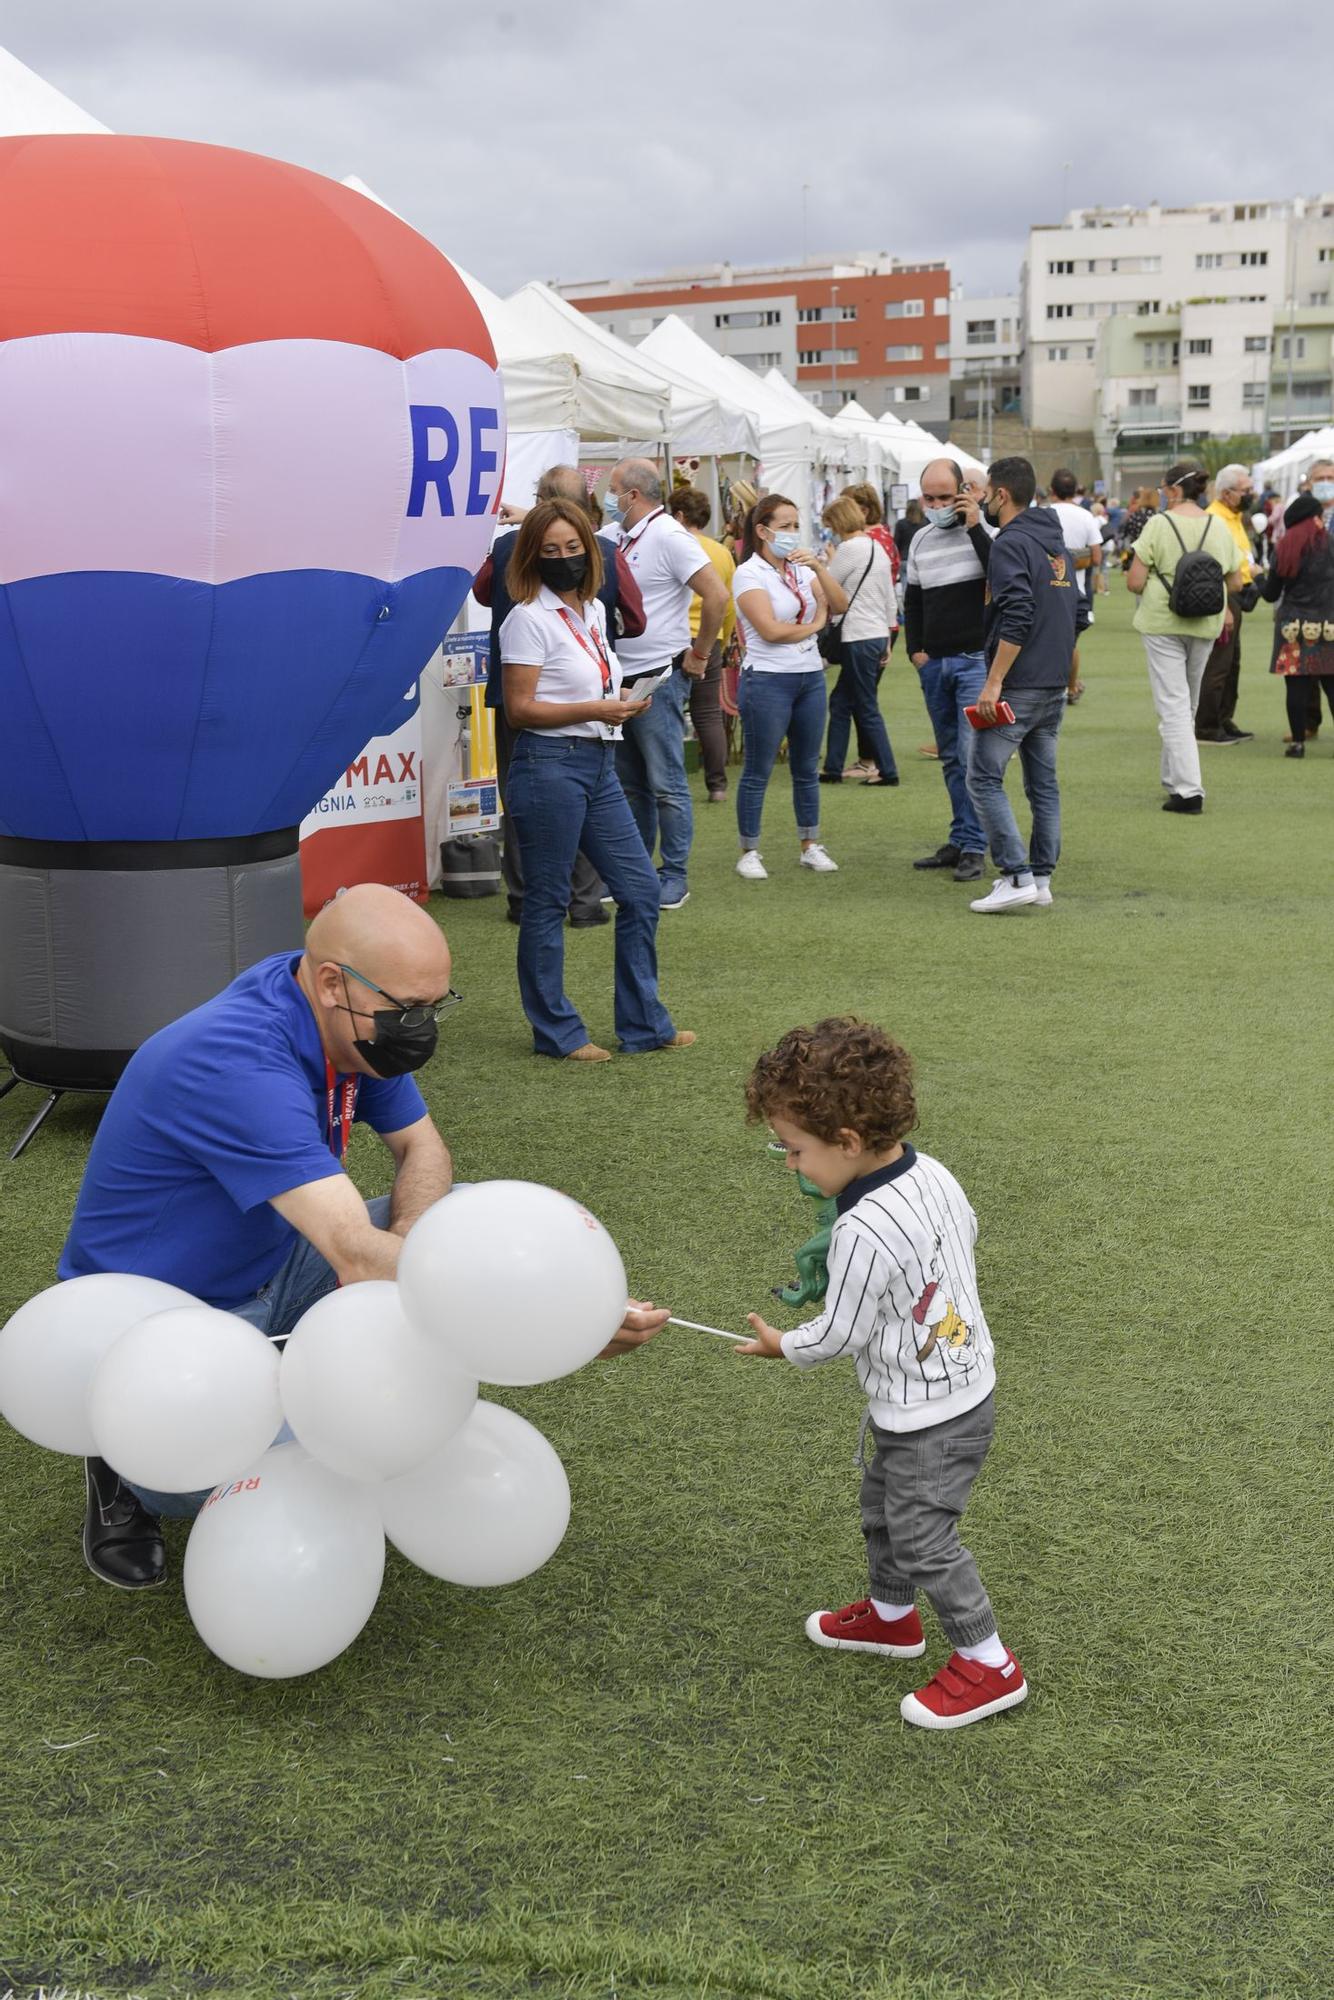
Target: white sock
(988, 1652)
(1024, 878)
(890, 1612)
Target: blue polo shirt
(215, 1115)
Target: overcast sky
(605, 137)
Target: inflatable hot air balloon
(253, 437)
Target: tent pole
(667, 468)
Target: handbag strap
(860, 581)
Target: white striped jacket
(902, 1298)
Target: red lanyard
(793, 582)
(596, 651)
(339, 1151)
(635, 535)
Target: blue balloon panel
(173, 710)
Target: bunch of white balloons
(368, 1424)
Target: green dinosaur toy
(812, 1258)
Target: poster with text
(368, 827)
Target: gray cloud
(600, 139)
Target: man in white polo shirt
(669, 566)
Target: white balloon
(186, 1398)
(490, 1508)
(51, 1348)
(517, 1282)
(283, 1565)
(362, 1389)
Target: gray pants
(914, 1489)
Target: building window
(1325, 255)
(943, 350)
(1315, 389)
(905, 309)
(1292, 347)
(1254, 257)
(1144, 399)
(981, 333)
(1197, 396)
(1063, 267)
(903, 353)
(745, 319)
(1252, 395)
(1089, 353)
(1060, 312)
(1256, 343)
(1317, 298)
(758, 361)
(822, 357)
(1147, 307)
(1250, 211)
(1209, 260)
(911, 392)
(813, 315)
(1200, 346)
(1058, 354)
(809, 357)
(943, 302)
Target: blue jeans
(1033, 733)
(855, 695)
(949, 685)
(304, 1277)
(651, 765)
(564, 795)
(774, 706)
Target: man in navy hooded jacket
(1035, 612)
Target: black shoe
(122, 1541)
(1218, 736)
(880, 778)
(969, 868)
(947, 856)
(831, 777)
(513, 915)
(588, 920)
(1295, 750)
(1174, 803)
(1235, 735)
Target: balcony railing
(1149, 416)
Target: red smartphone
(1004, 713)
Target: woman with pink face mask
(1301, 584)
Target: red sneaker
(859, 1628)
(964, 1691)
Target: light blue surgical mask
(785, 544)
(1323, 491)
(613, 509)
(942, 517)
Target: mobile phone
(1004, 713)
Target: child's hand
(768, 1341)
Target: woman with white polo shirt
(562, 685)
(781, 604)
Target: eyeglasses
(411, 1013)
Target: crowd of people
(609, 621)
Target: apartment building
(1162, 319)
(865, 326)
(984, 362)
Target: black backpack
(1197, 589)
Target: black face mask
(394, 1050)
(562, 572)
(991, 518)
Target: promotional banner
(369, 826)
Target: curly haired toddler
(903, 1304)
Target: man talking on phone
(1035, 613)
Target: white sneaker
(1042, 883)
(751, 867)
(815, 857)
(1006, 894)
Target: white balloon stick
(695, 1327)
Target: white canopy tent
(788, 446)
(700, 423)
(28, 104)
(1286, 469)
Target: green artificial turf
(632, 1775)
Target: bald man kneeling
(219, 1163)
